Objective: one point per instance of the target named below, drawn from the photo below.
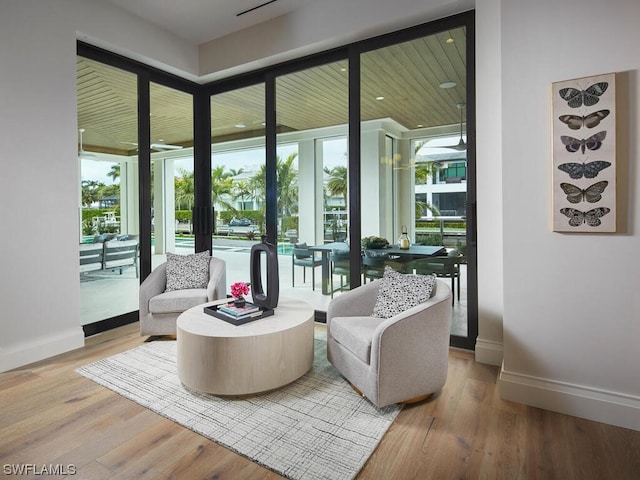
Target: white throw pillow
(187, 271)
(399, 292)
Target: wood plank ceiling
(407, 75)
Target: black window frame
(202, 145)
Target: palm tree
(114, 173)
(243, 191)
(287, 185)
(337, 185)
(91, 191)
(222, 188)
(184, 189)
(234, 173)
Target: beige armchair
(390, 360)
(160, 309)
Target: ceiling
(200, 21)
(408, 75)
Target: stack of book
(238, 315)
(238, 312)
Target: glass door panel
(312, 118)
(172, 173)
(108, 191)
(413, 162)
(238, 176)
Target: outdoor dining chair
(373, 264)
(442, 267)
(340, 266)
(301, 256)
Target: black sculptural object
(270, 299)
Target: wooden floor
(49, 415)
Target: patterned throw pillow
(187, 271)
(399, 292)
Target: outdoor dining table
(414, 251)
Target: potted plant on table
(238, 291)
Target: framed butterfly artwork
(584, 154)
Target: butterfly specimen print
(591, 218)
(589, 170)
(575, 98)
(594, 142)
(591, 194)
(575, 122)
(584, 144)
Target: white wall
(315, 27)
(571, 303)
(489, 181)
(101, 24)
(39, 201)
(40, 294)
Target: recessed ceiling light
(240, 125)
(380, 98)
(419, 125)
(450, 40)
(446, 85)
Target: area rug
(314, 428)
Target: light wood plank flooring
(49, 415)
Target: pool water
(283, 248)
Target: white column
(376, 186)
(307, 191)
(169, 206)
(404, 192)
(129, 201)
(164, 206)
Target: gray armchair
(392, 360)
(159, 309)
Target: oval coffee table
(214, 356)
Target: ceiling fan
(81, 152)
(461, 146)
(159, 146)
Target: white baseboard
(489, 352)
(604, 406)
(33, 350)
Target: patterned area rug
(314, 428)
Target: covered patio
(107, 294)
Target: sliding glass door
(172, 172)
(108, 191)
(311, 126)
(238, 176)
(119, 241)
(341, 151)
(413, 158)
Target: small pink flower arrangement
(239, 289)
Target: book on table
(253, 312)
(236, 311)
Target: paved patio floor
(107, 294)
